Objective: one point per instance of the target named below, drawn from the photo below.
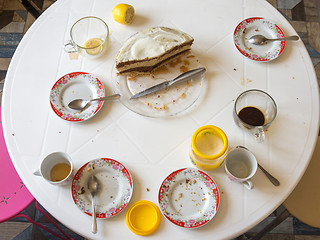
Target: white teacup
(56, 168)
(240, 166)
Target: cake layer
(148, 49)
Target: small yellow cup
(143, 217)
(209, 147)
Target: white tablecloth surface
(151, 148)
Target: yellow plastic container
(143, 217)
(209, 147)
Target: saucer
(73, 86)
(189, 198)
(258, 26)
(115, 187)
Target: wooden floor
(15, 21)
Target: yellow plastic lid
(143, 217)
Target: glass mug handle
(260, 135)
(70, 47)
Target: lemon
(94, 45)
(123, 13)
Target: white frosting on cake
(151, 43)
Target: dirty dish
(116, 187)
(254, 26)
(167, 102)
(73, 86)
(189, 198)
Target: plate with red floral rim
(115, 192)
(258, 26)
(189, 198)
(72, 86)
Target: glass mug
(89, 37)
(254, 110)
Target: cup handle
(37, 172)
(248, 184)
(260, 136)
(70, 47)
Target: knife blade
(176, 81)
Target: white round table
(151, 148)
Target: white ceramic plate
(189, 198)
(167, 102)
(115, 192)
(74, 86)
(258, 26)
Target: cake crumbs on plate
(188, 84)
(191, 56)
(82, 191)
(163, 107)
(131, 77)
(184, 69)
(147, 103)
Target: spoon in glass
(80, 104)
(93, 187)
(261, 40)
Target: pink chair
(14, 196)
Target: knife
(178, 80)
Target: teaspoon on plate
(261, 40)
(93, 187)
(80, 104)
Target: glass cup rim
(260, 91)
(89, 17)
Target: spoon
(272, 179)
(260, 40)
(93, 187)
(80, 104)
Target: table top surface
(152, 148)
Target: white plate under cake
(167, 102)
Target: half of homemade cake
(147, 50)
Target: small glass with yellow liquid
(209, 147)
(89, 37)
